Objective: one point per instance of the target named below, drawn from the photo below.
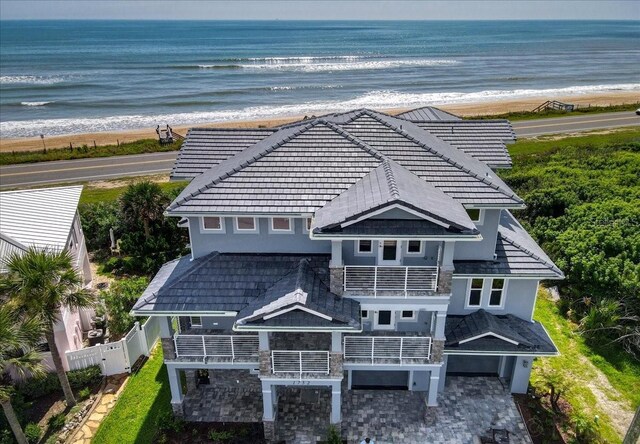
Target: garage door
(473, 365)
(377, 380)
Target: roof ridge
(357, 141)
(437, 153)
(391, 179)
(301, 269)
(244, 164)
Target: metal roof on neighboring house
(427, 113)
(387, 185)
(484, 332)
(300, 168)
(517, 254)
(42, 218)
(8, 247)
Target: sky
(321, 9)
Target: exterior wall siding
(428, 257)
(484, 249)
(518, 300)
(203, 243)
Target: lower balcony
(299, 364)
(228, 348)
(390, 281)
(379, 348)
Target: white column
(521, 373)
(336, 403)
(446, 260)
(175, 385)
(441, 317)
(166, 329)
(336, 254)
(263, 340)
(443, 373)
(434, 380)
(336, 341)
(268, 402)
(349, 379)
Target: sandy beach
(463, 109)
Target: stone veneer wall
(335, 364)
(444, 281)
(336, 281)
(168, 348)
(264, 361)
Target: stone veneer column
(264, 360)
(269, 409)
(437, 350)
(336, 280)
(444, 281)
(335, 364)
(176, 391)
(191, 377)
(168, 348)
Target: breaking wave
(30, 80)
(34, 103)
(382, 99)
(324, 64)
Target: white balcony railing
(388, 280)
(299, 362)
(235, 348)
(387, 349)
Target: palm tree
(40, 283)
(143, 201)
(19, 338)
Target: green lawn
(92, 194)
(578, 362)
(145, 397)
(83, 152)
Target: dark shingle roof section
(301, 287)
(531, 337)
(396, 228)
(204, 148)
(517, 254)
(390, 184)
(220, 282)
(427, 113)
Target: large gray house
(350, 251)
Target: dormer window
(212, 223)
(246, 225)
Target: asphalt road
(84, 170)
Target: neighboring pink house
(48, 218)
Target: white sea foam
(291, 88)
(312, 64)
(34, 103)
(31, 80)
(373, 99)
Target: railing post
(406, 278)
(373, 346)
(233, 352)
(300, 361)
(204, 348)
(175, 345)
(401, 349)
(273, 363)
(375, 281)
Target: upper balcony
(389, 281)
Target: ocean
(59, 77)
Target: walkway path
(108, 397)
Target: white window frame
(411, 318)
(212, 230)
(306, 224)
(275, 230)
(365, 311)
(414, 253)
(480, 220)
(468, 293)
(194, 324)
(357, 251)
(503, 293)
(255, 229)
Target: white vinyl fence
(118, 357)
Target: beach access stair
(554, 104)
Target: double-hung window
(365, 246)
(246, 225)
(474, 297)
(497, 293)
(281, 225)
(212, 223)
(414, 247)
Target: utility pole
(43, 145)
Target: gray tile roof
(387, 185)
(517, 254)
(300, 288)
(220, 282)
(204, 148)
(300, 168)
(531, 338)
(427, 113)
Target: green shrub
(33, 432)
(333, 436)
(97, 218)
(84, 393)
(168, 422)
(119, 300)
(56, 422)
(35, 388)
(86, 377)
(221, 436)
